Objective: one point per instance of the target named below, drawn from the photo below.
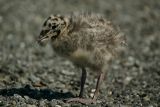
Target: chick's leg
(83, 80)
(87, 101)
(99, 81)
(79, 98)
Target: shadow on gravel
(35, 93)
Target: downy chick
(88, 40)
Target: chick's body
(88, 40)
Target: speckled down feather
(88, 40)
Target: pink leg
(87, 101)
(99, 81)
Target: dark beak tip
(39, 42)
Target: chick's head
(52, 28)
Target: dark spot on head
(46, 31)
(55, 36)
(43, 32)
(49, 17)
(58, 32)
(101, 20)
(61, 17)
(45, 23)
(49, 25)
(65, 23)
(53, 27)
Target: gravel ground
(133, 80)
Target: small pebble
(26, 97)
(93, 90)
(110, 93)
(99, 101)
(17, 96)
(43, 103)
(127, 80)
(91, 94)
(58, 106)
(146, 98)
(66, 72)
(150, 106)
(130, 61)
(13, 102)
(22, 45)
(29, 105)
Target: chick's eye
(53, 27)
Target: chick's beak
(42, 41)
(43, 38)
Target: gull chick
(88, 40)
